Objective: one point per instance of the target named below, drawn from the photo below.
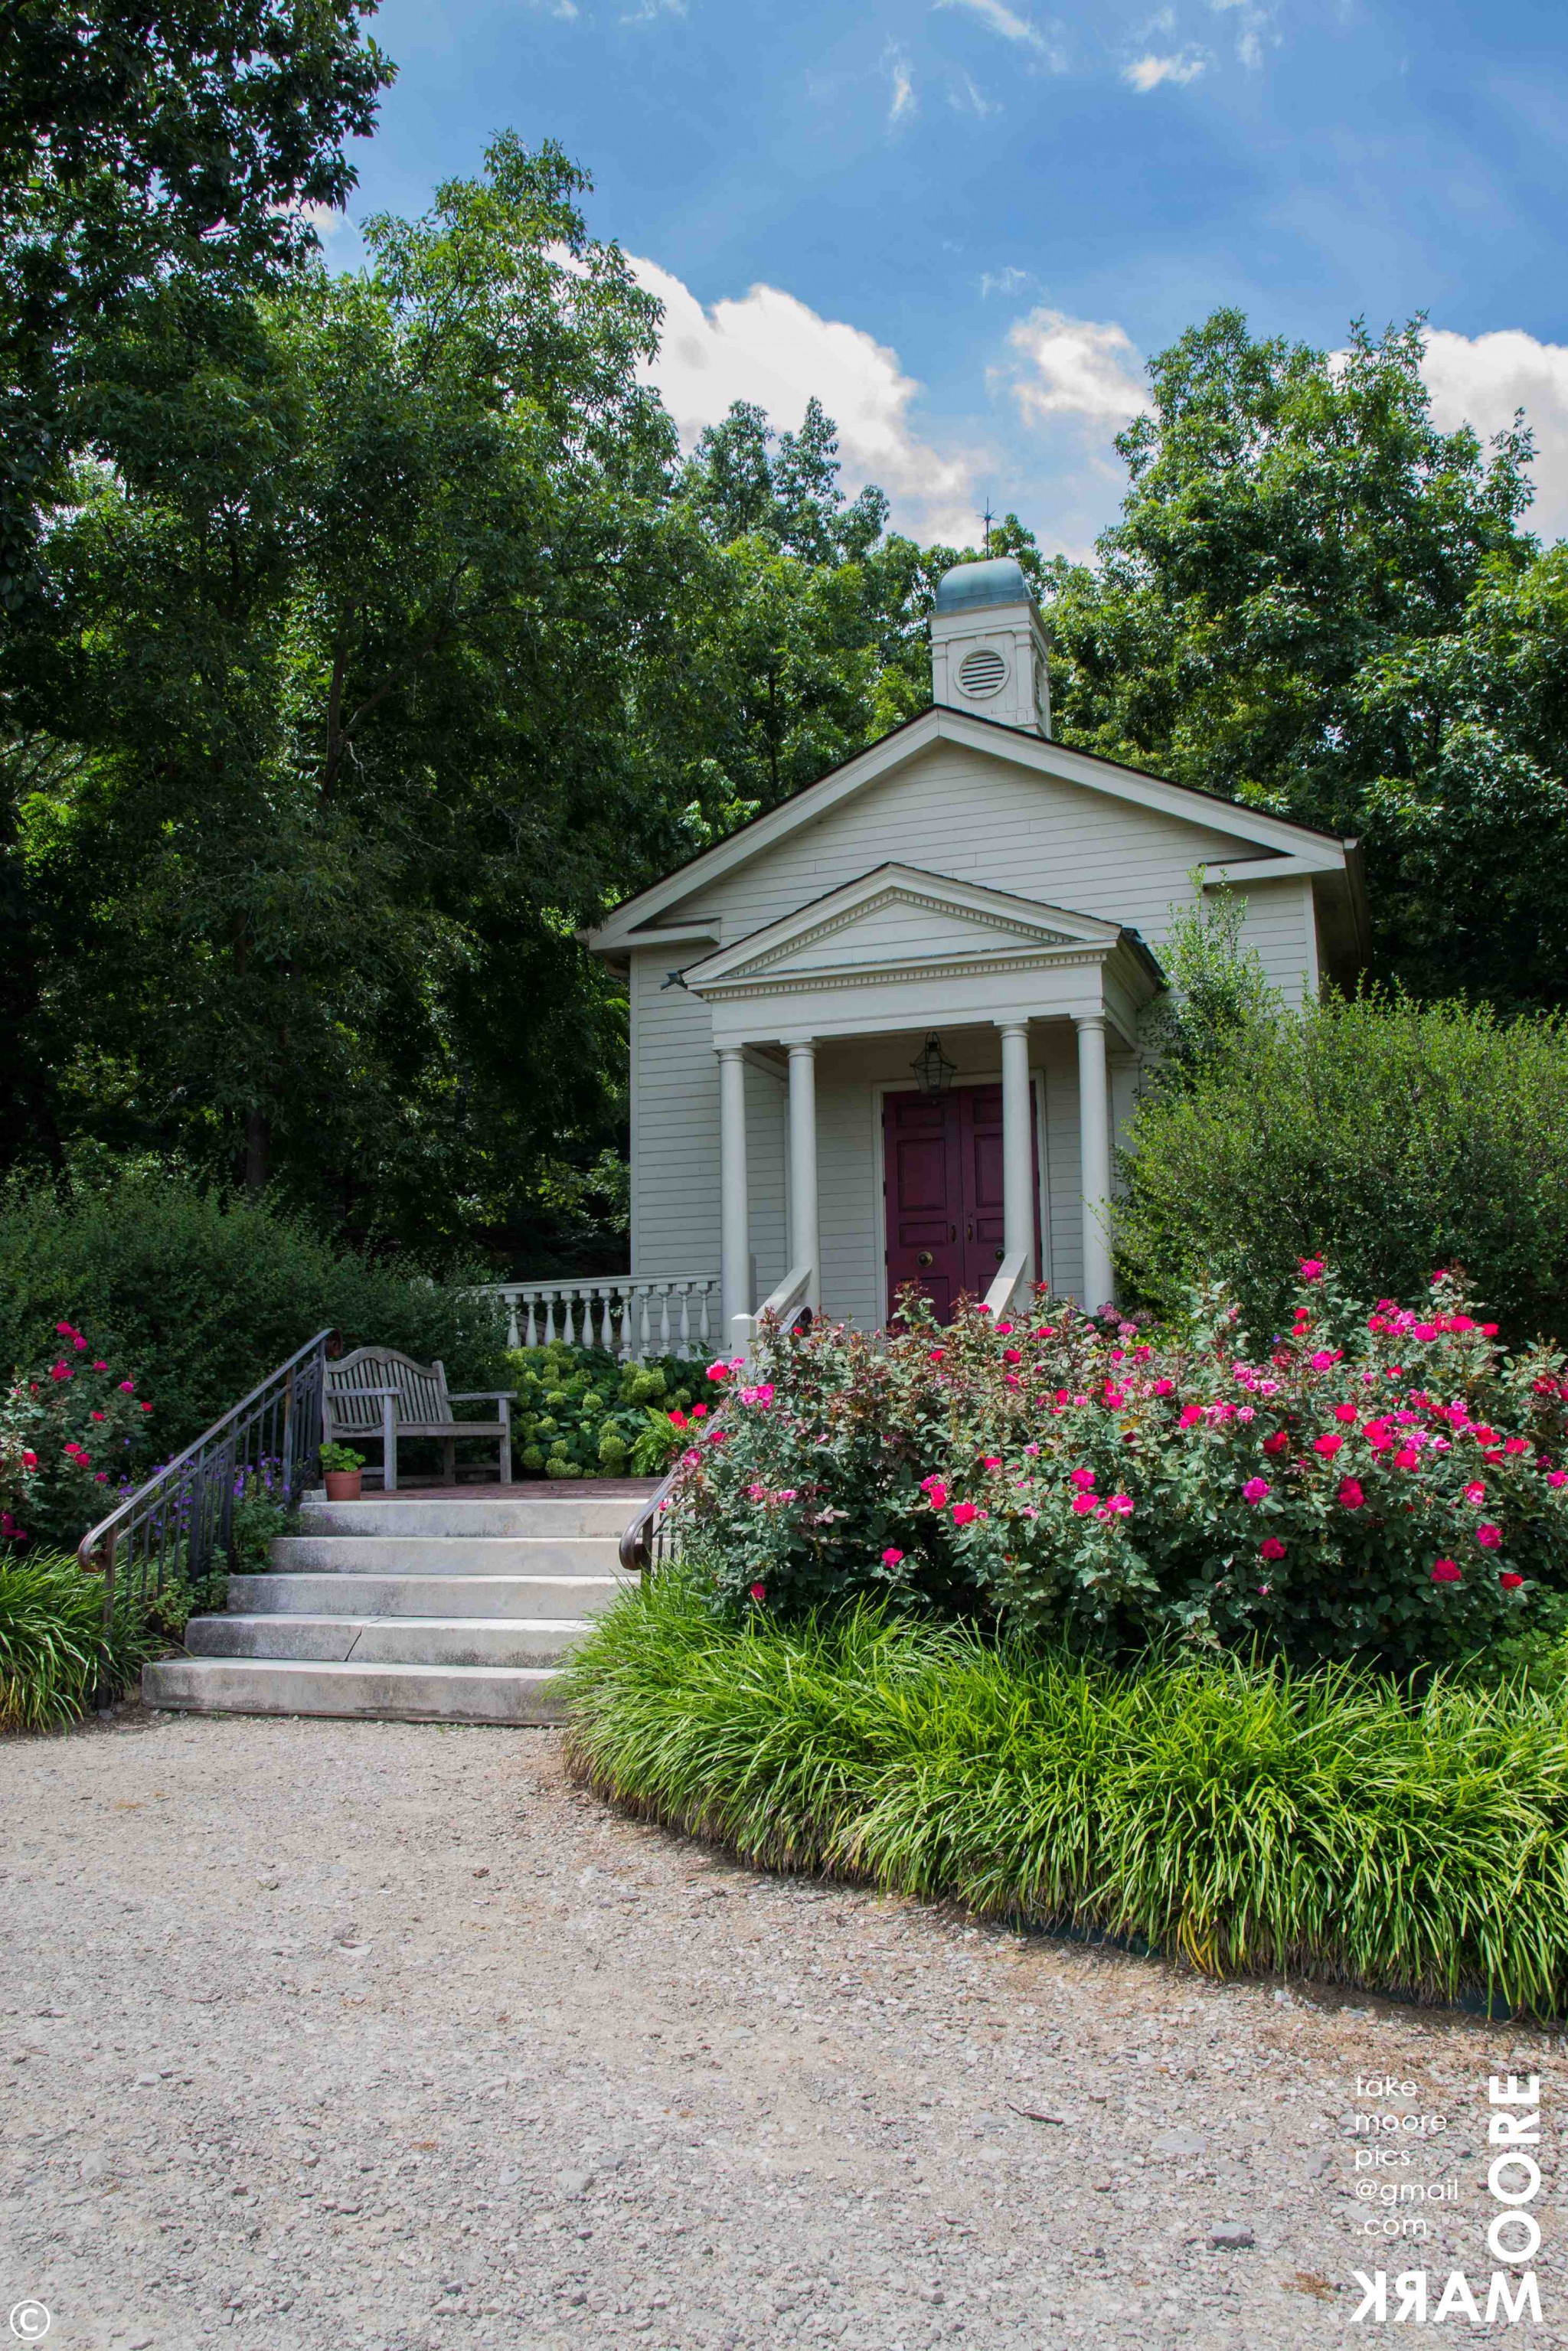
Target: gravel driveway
(324, 2033)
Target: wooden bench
(375, 1392)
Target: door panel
(980, 1129)
(925, 1192)
(943, 1161)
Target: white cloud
(1480, 380)
(967, 98)
(1010, 281)
(1254, 25)
(649, 10)
(901, 100)
(1146, 73)
(999, 18)
(564, 9)
(1085, 369)
(768, 346)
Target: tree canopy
(1317, 602)
(380, 634)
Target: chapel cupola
(987, 645)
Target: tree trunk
(258, 1150)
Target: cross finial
(988, 519)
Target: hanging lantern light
(933, 1073)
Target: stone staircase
(456, 1609)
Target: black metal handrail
(645, 1543)
(174, 1526)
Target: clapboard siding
(674, 1126)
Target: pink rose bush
(1377, 1479)
(71, 1437)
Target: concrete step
(390, 1640)
(398, 1693)
(446, 1554)
(519, 1597)
(517, 1516)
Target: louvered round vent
(982, 672)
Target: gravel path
(327, 2033)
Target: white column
(1094, 1157)
(1017, 1146)
(803, 1243)
(734, 1237)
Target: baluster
(642, 1324)
(684, 1345)
(549, 1297)
(511, 1297)
(606, 1328)
(663, 1318)
(706, 1334)
(532, 1299)
(623, 1307)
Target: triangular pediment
(899, 918)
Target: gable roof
(1275, 839)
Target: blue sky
(966, 224)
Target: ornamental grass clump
(1236, 1813)
(57, 1655)
(1375, 1482)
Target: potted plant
(343, 1471)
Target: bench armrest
(481, 1395)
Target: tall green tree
(1316, 601)
(141, 139)
(347, 634)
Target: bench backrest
(421, 1389)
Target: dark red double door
(943, 1158)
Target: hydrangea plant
(1374, 1480)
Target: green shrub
(1383, 1483)
(580, 1413)
(1238, 1815)
(204, 1292)
(1391, 1136)
(56, 1656)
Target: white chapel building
(888, 1031)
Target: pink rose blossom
(1510, 1579)
(1326, 1359)
(1083, 1502)
(1254, 1490)
(1351, 1497)
(759, 1592)
(963, 1512)
(1312, 1268)
(1083, 1478)
(1328, 1446)
(1490, 1536)
(1474, 1492)
(1447, 1571)
(891, 1558)
(1270, 1548)
(936, 1494)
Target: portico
(894, 958)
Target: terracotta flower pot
(343, 1485)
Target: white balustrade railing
(1009, 1275)
(631, 1317)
